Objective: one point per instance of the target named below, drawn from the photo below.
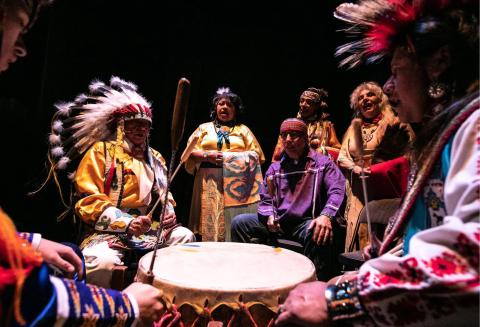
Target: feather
(54, 139)
(64, 108)
(57, 151)
(94, 111)
(373, 24)
(81, 98)
(57, 126)
(62, 163)
(118, 82)
(223, 90)
(96, 85)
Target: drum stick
(178, 126)
(357, 133)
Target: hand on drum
(149, 300)
(169, 220)
(322, 230)
(273, 225)
(139, 226)
(305, 306)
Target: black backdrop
(266, 51)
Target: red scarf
(375, 120)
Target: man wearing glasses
(300, 197)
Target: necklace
(223, 134)
(367, 135)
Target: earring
(437, 90)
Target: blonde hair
(375, 88)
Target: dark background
(268, 52)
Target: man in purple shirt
(300, 197)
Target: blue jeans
(245, 227)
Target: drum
(234, 283)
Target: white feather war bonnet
(97, 115)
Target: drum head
(225, 273)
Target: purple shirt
(314, 183)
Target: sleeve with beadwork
(95, 207)
(251, 143)
(441, 268)
(88, 305)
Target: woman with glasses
(226, 163)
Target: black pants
(245, 227)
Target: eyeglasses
(293, 135)
(131, 126)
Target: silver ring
(281, 308)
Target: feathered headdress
(374, 24)
(97, 115)
(377, 25)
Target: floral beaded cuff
(113, 220)
(343, 301)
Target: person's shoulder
(274, 167)
(319, 157)
(100, 146)
(244, 128)
(205, 126)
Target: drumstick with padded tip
(357, 134)
(178, 126)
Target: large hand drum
(237, 284)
